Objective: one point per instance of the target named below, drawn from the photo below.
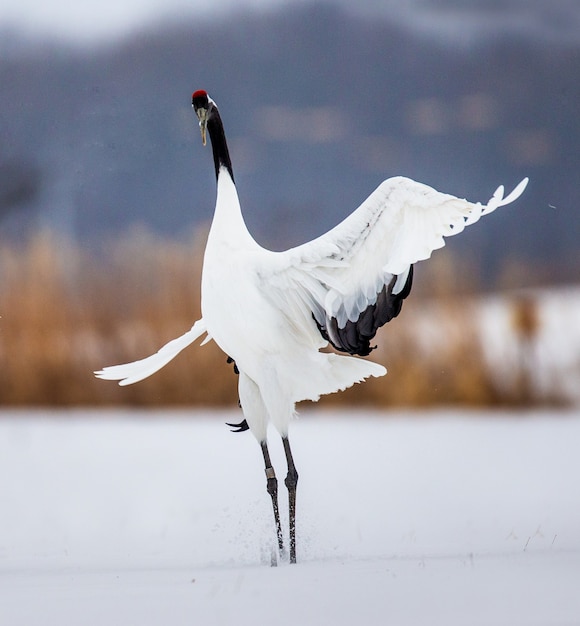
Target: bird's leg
(291, 482)
(272, 488)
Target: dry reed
(65, 312)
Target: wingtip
(105, 375)
(498, 199)
(136, 371)
(517, 192)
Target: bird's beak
(202, 116)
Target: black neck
(221, 155)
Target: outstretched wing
(353, 279)
(130, 373)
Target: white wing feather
(340, 273)
(130, 373)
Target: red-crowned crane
(272, 312)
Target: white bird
(272, 312)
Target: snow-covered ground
(153, 518)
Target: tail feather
(334, 372)
(129, 373)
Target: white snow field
(162, 518)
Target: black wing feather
(355, 337)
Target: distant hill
(320, 105)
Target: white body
(258, 305)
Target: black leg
(291, 482)
(272, 488)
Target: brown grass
(65, 312)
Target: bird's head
(203, 106)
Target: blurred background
(106, 192)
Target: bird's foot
(238, 428)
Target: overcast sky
(102, 19)
(99, 20)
